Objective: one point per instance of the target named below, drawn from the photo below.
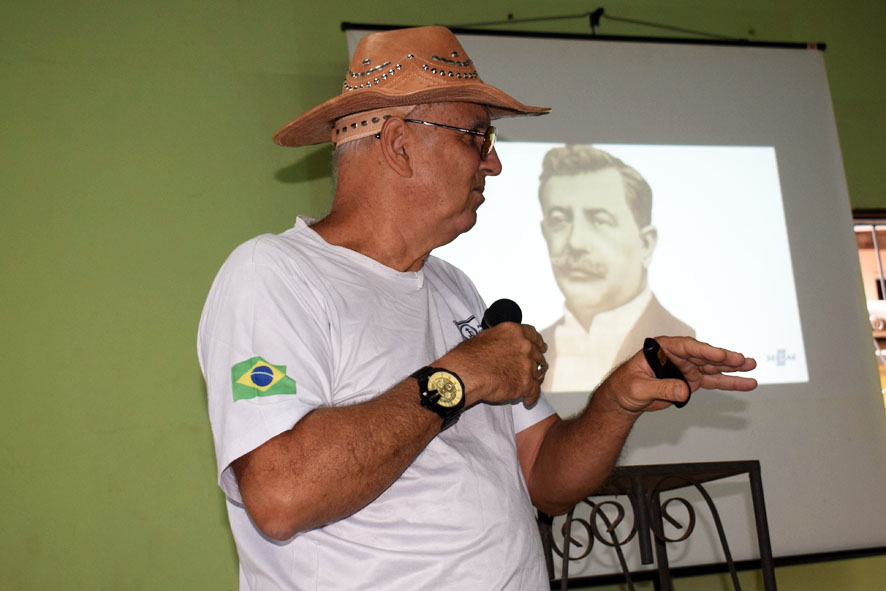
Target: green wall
(135, 153)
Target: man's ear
(393, 146)
(649, 240)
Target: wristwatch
(441, 391)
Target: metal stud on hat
(400, 68)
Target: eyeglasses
(488, 135)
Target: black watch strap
(447, 403)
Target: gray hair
(344, 151)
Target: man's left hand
(636, 389)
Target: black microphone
(503, 310)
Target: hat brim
(315, 126)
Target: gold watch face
(447, 386)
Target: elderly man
(362, 441)
(597, 222)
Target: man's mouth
(584, 272)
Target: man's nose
(581, 237)
(491, 166)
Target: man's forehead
(586, 189)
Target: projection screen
(753, 250)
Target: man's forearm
(577, 454)
(334, 461)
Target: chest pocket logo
(466, 328)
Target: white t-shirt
(293, 323)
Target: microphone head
(503, 310)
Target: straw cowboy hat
(391, 72)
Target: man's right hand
(500, 364)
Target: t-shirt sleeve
(266, 355)
(526, 417)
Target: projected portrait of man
(597, 222)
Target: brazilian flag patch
(256, 377)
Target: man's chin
(470, 221)
(461, 228)
(583, 294)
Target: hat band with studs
(366, 123)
